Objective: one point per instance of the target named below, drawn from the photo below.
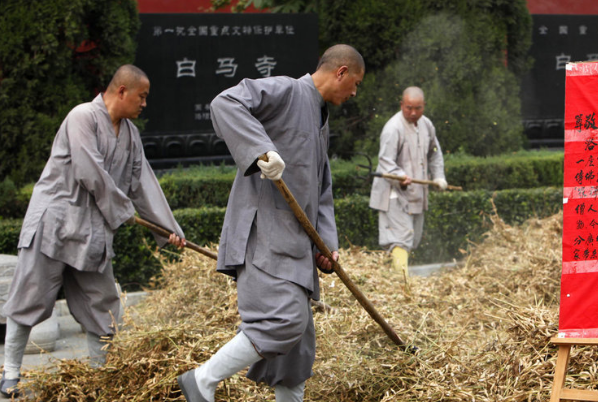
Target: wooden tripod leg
(560, 372)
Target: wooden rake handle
(402, 178)
(315, 237)
(166, 233)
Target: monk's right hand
(273, 168)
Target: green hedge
(210, 185)
(454, 220)
(457, 218)
(198, 186)
(518, 170)
(9, 235)
(527, 169)
(135, 263)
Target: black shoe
(9, 388)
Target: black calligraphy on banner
(585, 122)
(584, 242)
(585, 238)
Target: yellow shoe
(400, 260)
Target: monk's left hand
(177, 241)
(324, 264)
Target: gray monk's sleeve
(89, 171)
(435, 158)
(387, 157)
(148, 197)
(326, 222)
(234, 114)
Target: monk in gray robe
(408, 148)
(95, 179)
(262, 244)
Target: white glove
(442, 184)
(273, 168)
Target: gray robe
(91, 184)
(403, 152)
(288, 116)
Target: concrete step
(7, 265)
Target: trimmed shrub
(9, 235)
(198, 186)
(454, 220)
(210, 186)
(13, 202)
(135, 262)
(457, 218)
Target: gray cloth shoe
(188, 385)
(8, 387)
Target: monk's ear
(121, 91)
(341, 72)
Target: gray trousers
(397, 227)
(92, 298)
(277, 318)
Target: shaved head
(413, 104)
(341, 55)
(413, 93)
(127, 75)
(126, 94)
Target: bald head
(413, 93)
(128, 76)
(341, 55)
(413, 104)
(126, 94)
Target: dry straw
(482, 331)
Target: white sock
(237, 354)
(15, 342)
(284, 394)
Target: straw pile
(482, 331)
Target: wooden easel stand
(559, 392)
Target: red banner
(579, 280)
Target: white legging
(15, 342)
(284, 394)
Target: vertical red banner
(578, 316)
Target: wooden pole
(402, 178)
(165, 233)
(315, 237)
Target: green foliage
(456, 219)
(201, 225)
(196, 187)
(45, 71)
(9, 235)
(467, 55)
(277, 6)
(522, 169)
(471, 97)
(135, 263)
(12, 202)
